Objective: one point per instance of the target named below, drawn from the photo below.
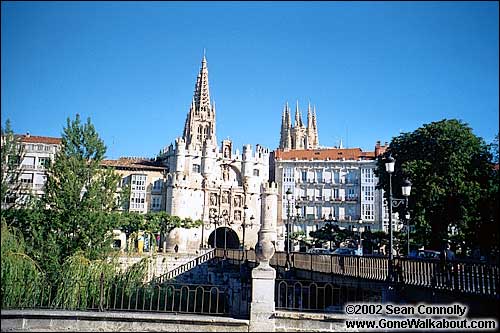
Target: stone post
(264, 276)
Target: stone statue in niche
(225, 172)
(213, 199)
(237, 201)
(225, 197)
(237, 215)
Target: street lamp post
(407, 217)
(245, 225)
(287, 235)
(213, 219)
(297, 218)
(225, 217)
(394, 202)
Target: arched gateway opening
(231, 238)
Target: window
(155, 203)
(29, 161)
(43, 162)
(287, 175)
(368, 193)
(318, 194)
(200, 130)
(196, 168)
(158, 184)
(27, 178)
(367, 212)
(336, 177)
(138, 182)
(304, 176)
(137, 200)
(367, 176)
(351, 193)
(256, 172)
(319, 176)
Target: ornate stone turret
(299, 136)
(267, 234)
(286, 126)
(298, 116)
(200, 121)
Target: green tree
(11, 156)
(331, 233)
(79, 193)
(487, 235)
(449, 167)
(21, 275)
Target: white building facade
(37, 153)
(328, 185)
(214, 183)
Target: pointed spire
(298, 118)
(309, 116)
(288, 117)
(200, 121)
(314, 118)
(202, 90)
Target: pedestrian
(450, 255)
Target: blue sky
(372, 69)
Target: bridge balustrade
(459, 276)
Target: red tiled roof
(134, 163)
(323, 154)
(39, 139)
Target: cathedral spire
(288, 116)
(309, 116)
(202, 90)
(314, 120)
(200, 121)
(298, 118)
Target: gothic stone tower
(211, 182)
(199, 128)
(298, 136)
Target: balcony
(352, 198)
(28, 167)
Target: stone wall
(288, 321)
(79, 321)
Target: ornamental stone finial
(267, 234)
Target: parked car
(425, 254)
(319, 250)
(345, 251)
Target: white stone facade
(328, 185)
(214, 183)
(37, 153)
(146, 179)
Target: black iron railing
(186, 267)
(458, 276)
(120, 295)
(319, 296)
